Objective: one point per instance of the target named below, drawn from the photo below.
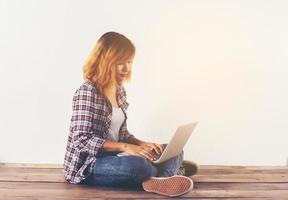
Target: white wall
(223, 63)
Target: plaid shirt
(90, 122)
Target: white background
(223, 63)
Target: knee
(140, 168)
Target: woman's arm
(114, 146)
(82, 135)
(134, 140)
(157, 148)
(130, 149)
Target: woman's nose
(126, 67)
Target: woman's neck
(110, 90)
(110, 93)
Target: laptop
(177, 142)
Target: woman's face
(122, 71)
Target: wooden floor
(31, 181)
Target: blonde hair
(111, 49)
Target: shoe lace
(181, 170)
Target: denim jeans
(129, 171)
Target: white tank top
(116, 122)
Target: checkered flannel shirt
(90, 122)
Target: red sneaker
(168, 186)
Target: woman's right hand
(143, 151)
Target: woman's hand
(154, 147)
(143, 150)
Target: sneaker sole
(168, 186)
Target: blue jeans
(129, 171)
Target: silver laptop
(176, 144)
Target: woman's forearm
(109, 146)
(134, 140)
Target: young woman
(98, 130)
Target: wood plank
(198, 186)
(52, 186)
(204, 167)
(46, 177)
(243, 171)
(243, 167)
(45, 181)
(60, 189)
(31, 165)
(201, 170)
(87, 193)
(31, 170)
(92, 193)
(269, 178)
(240, 186)
(280, 194)
(138, 198)
(52, 177)
(32, 177)
(222, 169)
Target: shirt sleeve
(84, 107)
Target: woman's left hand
(154, 147)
